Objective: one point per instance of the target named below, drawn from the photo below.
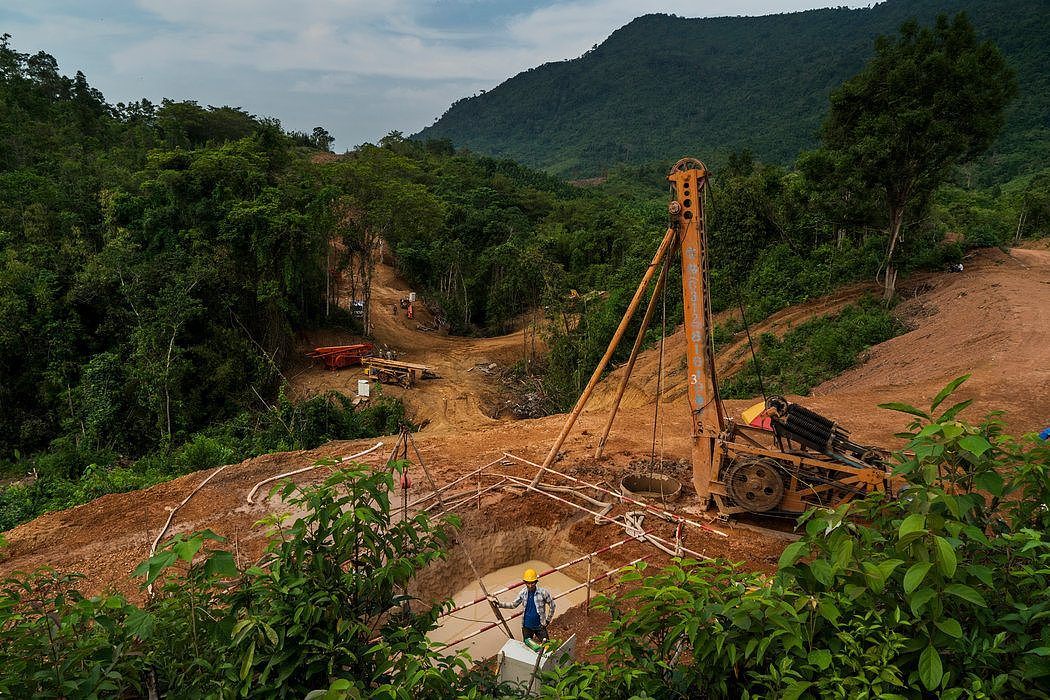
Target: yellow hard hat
(530, 576)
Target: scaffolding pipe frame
(656, 511)
(523, 483)
(435, 493)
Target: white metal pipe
(469, 497)
(598, 516)
(312, 466)
(453, 483)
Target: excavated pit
(655, 487)
(472, 626)
(495, 544)
(504, 539)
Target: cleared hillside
(991, 320)
(730, 83)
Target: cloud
(411, 58)
(390, 39)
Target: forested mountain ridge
(663, 86)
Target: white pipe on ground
(453, 483)
(312, 466)
(653, 539)
(171, 516)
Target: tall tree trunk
(890, 281)
(167, 374)
(1021, 221)
(373, 252)
(466, 303)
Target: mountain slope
(665, 85)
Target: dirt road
(466, 395)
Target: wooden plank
(395, 364)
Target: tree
(832, 199)
(929, 100)
(382, 206)
(322, 139)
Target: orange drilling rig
(807, 460)
(804, 461)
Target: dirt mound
(992, 320)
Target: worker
(1045, 435)
(539, 607)
(393, 307)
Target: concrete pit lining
(492, 551)
(472, 617)
(501, 553)
(651, 487)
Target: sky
(359, 68)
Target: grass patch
(814, 351)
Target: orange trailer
(339, 356)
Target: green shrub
(66, 459)
(813, 352)
(55, 643)
(70, 475)
(941, 592)
(724, 333)
(320, 615)
(983, 238)
(202, 452)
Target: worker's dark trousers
(537, 633)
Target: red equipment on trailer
(339, 356)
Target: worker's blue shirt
(532, 616)
(1045, 435)
(540, 600)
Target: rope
(751, 345)
(407, 437)
(632, 525)
(659, 368)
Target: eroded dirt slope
(993, 321)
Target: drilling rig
(806, 460)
